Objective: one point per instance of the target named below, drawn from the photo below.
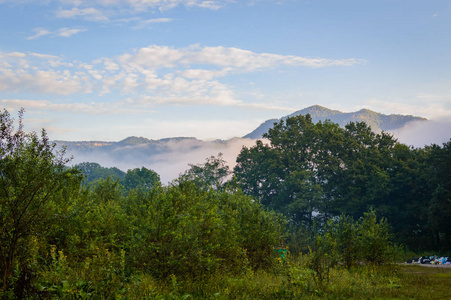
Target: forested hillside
(376, 121)
(319, 211)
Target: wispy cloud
(147, 23)
(152, 75)
(108, 10)
(38, 33)
(89, 13)
(67, 32)
(104, 10)
(432, 106)
(62, 32)
(93, 108)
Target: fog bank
(168, 160)
(420, 134)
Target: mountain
(377, 121)
(126, 146)
(171, 156)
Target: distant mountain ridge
(170, 157)
(155, 145)
(377, 121)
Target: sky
(216, 69)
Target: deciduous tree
(32, 173)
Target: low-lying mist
(419, 134)
(170, 158)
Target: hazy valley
(170, 156)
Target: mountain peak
(134, 140)
(376, 121)
(315, 111)
(366, 110)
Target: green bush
(188, 231)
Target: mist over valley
(170, 157)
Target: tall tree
(94, 171)
(281, 173)
(32, 174)
(141, 178)
(320, 169)
(213, 173)
(437, 173)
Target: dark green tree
(320, 169)
(437, 175)
(189, 231)
(281, 173)
(213, 173)
(33, 176)
(140, 179)
(94, 171)
(361, 172)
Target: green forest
(312, 211)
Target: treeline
(132, 179)
(334, 195)
(313, 172)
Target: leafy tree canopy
(213, 173)
(141, 178)
(321, 168)
(33, 180)
(94, 171)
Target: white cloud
(420, 134)
(67, 32)
(51, 82)
(168, 4)
(154, 75)
(62, 32)
(90, 14)
(157, 20)
(34, 72)
(39, 32)
(43, 56)
(204, 74)
(151, 57)
(103, 10)
(140, 23)
(163, 56)
(431, 106)
(88, 8)
(95, 108)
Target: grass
(292, 280)
(426, 282)
(395, 282)
(297, 282)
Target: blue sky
(108, 69)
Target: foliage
(190, 232)
(438, 211)
(141, 179)
(373, 239)
(348, 243)
(33, 180)
(94, 171)
(138, 178)
(203, 238)
(213, 173)
(311, 172)
(309, 168)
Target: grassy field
(420, 282)
(296, 282)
